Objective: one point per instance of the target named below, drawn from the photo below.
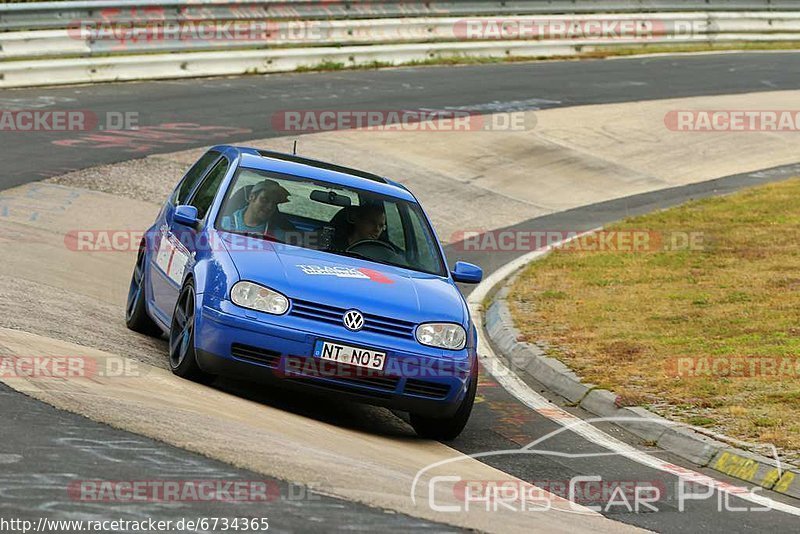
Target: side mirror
(467, 273)
(185, 215)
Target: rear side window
(192, 177)
(204, 196)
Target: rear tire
(182, 355)
(136, 317)
(448, 428)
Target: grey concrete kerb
(703, 449)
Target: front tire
(182, 355)
(136, 317)
(448, 428)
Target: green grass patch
(624, 318)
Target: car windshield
(332, 218)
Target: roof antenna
(294, 148)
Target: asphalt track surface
(60, 448)
(240, 109)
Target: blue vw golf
(314, 276)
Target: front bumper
(279, 350)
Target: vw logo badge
(353, 320)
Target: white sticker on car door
(171, 259)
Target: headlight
(442, 335)
(256, 297)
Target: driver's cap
(275, 191)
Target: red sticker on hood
(376, 276)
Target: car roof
(294, 165)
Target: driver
(369, 222)
(261, 214)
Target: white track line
(530, 398)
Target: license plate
(371, 359)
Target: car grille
(334, 315)
(270, 358)
(424, 388)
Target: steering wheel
(375, 249)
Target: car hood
(345, 282)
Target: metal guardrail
(92, 41)
(83, 42)
(74, 42)
(48, 15)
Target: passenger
(261, 214)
